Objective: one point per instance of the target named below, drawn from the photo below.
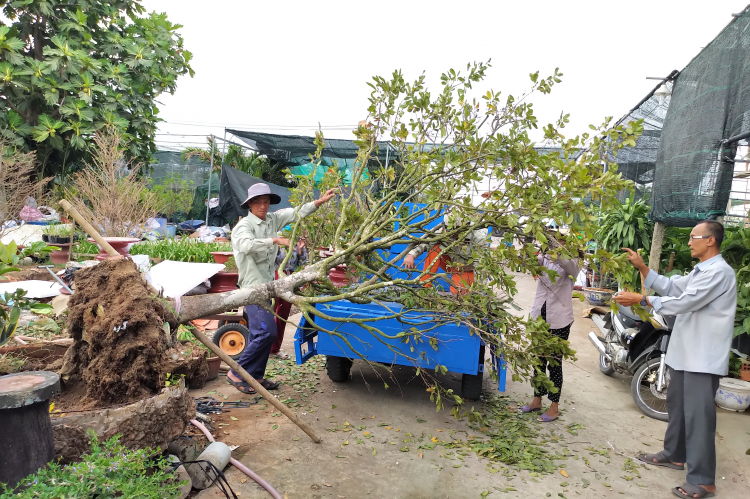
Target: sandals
(281, 354)
(692, 491)
(269, 385)
(546, 419)
(660, 460)
(526, 409)
(242, 386)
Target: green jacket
(252, 242)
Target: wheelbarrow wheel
(232, 339)
(338, 368)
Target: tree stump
(25, 428)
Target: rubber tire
(231, 326)
(635, 389)
(471, 386)
(604, 367)
(338, 368)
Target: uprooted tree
(446, 145)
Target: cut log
(153, 422)
(25, 429)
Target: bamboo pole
(88, 228)
(252, 382)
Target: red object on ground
(223, 281)
(460, 278)
(119, 244)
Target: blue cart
(457, 349)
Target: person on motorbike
(704, 302)
(554, 303)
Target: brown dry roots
(118, 330)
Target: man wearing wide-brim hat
(255, 243)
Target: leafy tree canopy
(69, 68)
(448, 142)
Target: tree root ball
(120, 350)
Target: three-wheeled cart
(456, 348)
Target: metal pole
(224, 148)
(210, 174)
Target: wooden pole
(252, 382)
(88, 228)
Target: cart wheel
(338, 368)
(232, 339)
(242, 322)
(471, 386)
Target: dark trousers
(262, 327)
(691, 431)
(555, 372)
(282, 309)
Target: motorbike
(632, 346)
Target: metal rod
(210, 175)
(672, 76)
(56, 277)
(224, 147)
(736, 138)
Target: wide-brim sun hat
(259, 189)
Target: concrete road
(340, 468)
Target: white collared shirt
(704, 302)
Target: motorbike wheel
(643, 387)
(605, 366)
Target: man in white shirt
(704, 302)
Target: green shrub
(109, 470)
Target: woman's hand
(409, 262)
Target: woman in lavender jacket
(554, 302)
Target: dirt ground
(339, 467)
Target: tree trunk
(657, 241)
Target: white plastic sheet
(34, 289)
(177, 278)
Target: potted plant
(47, 231)
(226, 280)
(63, 234)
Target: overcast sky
(285, 66)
